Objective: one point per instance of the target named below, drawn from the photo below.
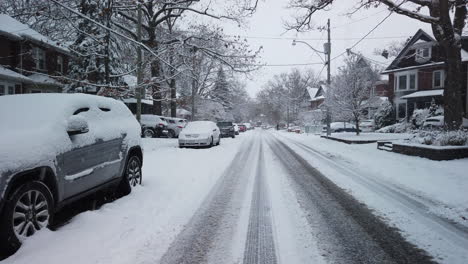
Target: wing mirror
(77, 125)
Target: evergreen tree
(222, 91)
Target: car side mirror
(77, 125)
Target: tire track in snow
(347, 230)
(215, 221)
(260, 245)
(452, 231)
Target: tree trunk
(356, 119)
(446, 36)
(453, 85)
(157, 96)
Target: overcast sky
(266, 28)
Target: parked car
(227, 129)
(367, 125)
(236, 129)
(57, 148)
(337, 127)
(153, 126)
(248, 126)
(242, 128)
(174, 126)
(200, 133)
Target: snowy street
(264, 197)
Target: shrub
(384, 116)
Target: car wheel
(148, 133)
(219, 141)
(132, 175)
(233, 135)
(171, 134)
(211, 143)
(29, 209)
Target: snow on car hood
(33, 126)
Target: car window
(81, 110)
(104, 109)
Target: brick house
(317, 96)
(417, 74)
(28, 60)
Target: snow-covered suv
(56, 148)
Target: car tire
(148, 133)
(36, 215)
(219, 141)
(132, 175)
(171, 134)
(233, 136)
(211, 143)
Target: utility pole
(328, 50)
(139, 88)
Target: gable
(406, 57)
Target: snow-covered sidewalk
(138, 228)
(384, 180)
(371, 136)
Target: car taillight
(161, 125)
(180, 126)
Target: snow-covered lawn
(138, 228)
(405, 190)
(371, 136)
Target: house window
(438, 79)
(7, 88)
(423, 54)
(401, 110)
(60, 64)
(402, 80)
(406, 81)
(39, 57)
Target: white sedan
(200, 133)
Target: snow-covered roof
(317, 98)
(134, 101)
(183, 112)
(12, 75)
(312, 92)
(130, 80)
(437, 92)
(16, 30)
(44, 79)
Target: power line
(316, 39)
(287, 64)
(365, 36)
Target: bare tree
(447, 18)
(350, 90)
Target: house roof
(130, 80)
(421, 39)
(12, 75)
(428, 93)
(39, 78)
(13, 29)
(321, 97)
(312, 92)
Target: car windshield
(224, 124)
(199, 126)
